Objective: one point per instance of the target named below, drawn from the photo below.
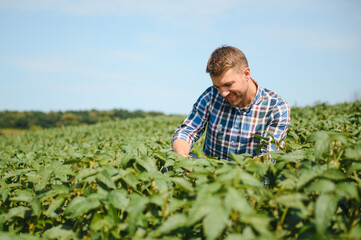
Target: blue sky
(151, 55)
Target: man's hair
(225, 58)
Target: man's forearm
(181, 147)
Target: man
(233, 111)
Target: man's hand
(181, 147)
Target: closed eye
(225, 85)
(229, 84)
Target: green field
(105, 181)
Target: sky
(151, 55)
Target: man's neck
(251, 93)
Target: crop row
(105, 181)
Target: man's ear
(247, 73)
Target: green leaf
(261, 145)
(259, 222)
(210, 208)
(215, 222)
(234, 236)
(128, 177)
(135, 210)
(259, 168)
(321, 186)
(322, 142)
(174, 205)
(184, 163)
(44, 179)
(77, 156)
(23, 196)
(234, 200)
(160, 155)
(333, 174)
(169, 163)
(202, 207)
(62, 172)
(355, 232)
(104, 177)
(142, 149)
(354, 152)
(35, 204)
(80, 205)
(16, 212)
(348, 189)
(293, 200)
(239, 158)
(100, 195)
(248, 179)
(161, 185)
(295, 156)
(118, 199)
(125, 159)
(8, 236)
(60, 189)
(306, 175)
(183, 184)
(261, 137)
(5, 193)
(97, 222)
(85, 173)
(172, 223)
(354, 168)
(324, 210)
(58, 233)
(228, 178)
(112, 217)
(157, 200)
(147, 163)
(57, 203)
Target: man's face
(234, 86)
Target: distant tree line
(37, 119)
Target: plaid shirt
(231, 129)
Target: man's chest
(230, 125)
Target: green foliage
(35, 120)
(105, 181)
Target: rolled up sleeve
(194, 125)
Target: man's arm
(278, 127)
(194, 125)
(181, 147)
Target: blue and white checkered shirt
(230, 128)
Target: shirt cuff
(184, 137)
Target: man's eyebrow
(230, 82)
(226, 83)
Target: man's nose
(223, 92)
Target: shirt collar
(257, 98)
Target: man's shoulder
(210, 93)
(272, 99)
(210, 90)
